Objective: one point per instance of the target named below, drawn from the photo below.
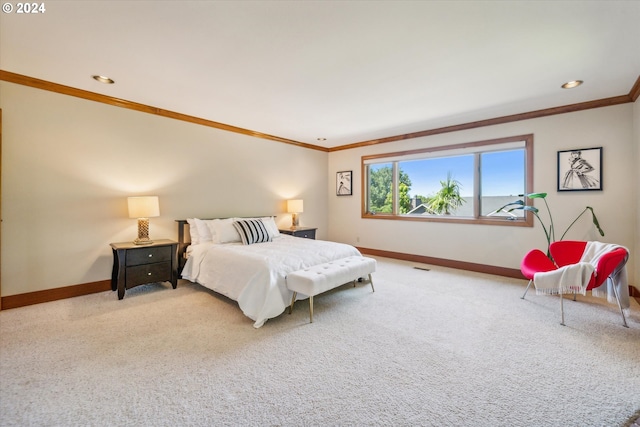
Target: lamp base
(294, 221)
(143, 232)
(142, 242)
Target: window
(465, 182)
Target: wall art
(343, 183)
(580, 170)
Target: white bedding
(254, 275)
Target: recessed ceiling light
(572, 84)
(103, 79)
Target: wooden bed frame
(184, 240)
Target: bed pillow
(252, 231)
(223, 231)
(268, 221)
(272, 228)
(204, 235)
(193, 231)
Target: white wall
(69, 164)
(616, 206)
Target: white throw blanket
(567, 279)
(576, 277)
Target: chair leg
(615, 292)
(370, 282)
(562, 309)
(293, 300)
(311, 309)
(526, 290)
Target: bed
(217, 254)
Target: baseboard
(460, 265)
(635, 293)
(30, 298)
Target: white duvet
(254, 275)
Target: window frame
(525, 221)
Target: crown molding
(606, 102)
(117, 102)
(635, 91)
(7, 76)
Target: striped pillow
(252, 231)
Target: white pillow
(223, 231)
(269, 222)
(203, 230)
(272, 228)
(193, 231)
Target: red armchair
(535, 261)
(567, 252)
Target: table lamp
(294, 207)
(143, 208)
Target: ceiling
(347, 71)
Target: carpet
(436, 347)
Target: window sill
(519, 222)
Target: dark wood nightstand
(135, 265)
(304, 232)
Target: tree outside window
(466, 182)
(381, 190)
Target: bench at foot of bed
(324, 277)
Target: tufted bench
(324, 277)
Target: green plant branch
(552, 230)
(594, 219)
(549, 233)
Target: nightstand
(135, 265)
(304, 232)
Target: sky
(502, 173)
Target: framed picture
(343, 183)
(580, 170)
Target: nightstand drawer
(308, 234)
(148, 255)
(304, 232)
(148, 273)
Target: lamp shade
(143, 207)
(295, 206)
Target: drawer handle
(148, 274)
(150, 255)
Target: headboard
(184, 237)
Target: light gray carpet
(428, 348)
